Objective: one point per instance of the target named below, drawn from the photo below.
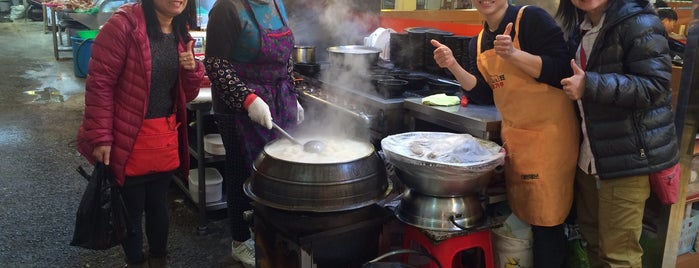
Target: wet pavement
(41, 106)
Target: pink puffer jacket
(117, 90)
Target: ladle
(312, 146)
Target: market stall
(64, 18)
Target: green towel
(440, 100)
(92, 10)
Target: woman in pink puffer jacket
(141, 73)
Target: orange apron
(540, 132)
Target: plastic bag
(102, 219)
(665, 184)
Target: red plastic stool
(446, 250)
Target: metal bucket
(327, 187)
(304, 54)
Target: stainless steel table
(482, 121)
(55, 33)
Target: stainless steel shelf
(210, 206)
(478, 120)
(196, 150)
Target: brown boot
(160, 262)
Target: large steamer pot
(317, 187)
(353, 56)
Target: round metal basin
(439, 213)
(426, 182)
(444, 179)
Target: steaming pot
(353, 56)
(302, 185)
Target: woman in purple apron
(248, 60)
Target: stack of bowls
(431, 65)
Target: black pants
(147, 195)
(237, 169)
(550, 246)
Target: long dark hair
(570, 16)
(180, 23)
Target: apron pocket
(156, 148)
(526, 154)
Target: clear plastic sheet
(443, 148)
(442, 163)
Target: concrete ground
(41, 106)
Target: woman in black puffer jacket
(621, 83)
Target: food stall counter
(482, 121)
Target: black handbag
(102, 220)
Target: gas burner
(351, 95)
(290, 239)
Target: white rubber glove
(299, 113)
(259, 112)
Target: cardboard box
(688, 260)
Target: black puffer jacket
(627, 98)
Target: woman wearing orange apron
(518, 59)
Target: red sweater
(117, 89)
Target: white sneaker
(244, 252)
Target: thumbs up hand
(574, 86)
(186, 58)
(503, 43)
(443, 55)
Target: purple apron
(268, 76)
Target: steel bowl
(439, 213)
(440, 178)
